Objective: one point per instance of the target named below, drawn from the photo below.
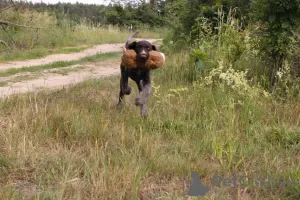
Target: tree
(4, 24)
(277, 20)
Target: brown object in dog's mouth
(129, 59)
(156, 60)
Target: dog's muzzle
(143, 55)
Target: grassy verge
(56, 35)
(59, 64)
(74, 144)
(59, 39)
(66, 71)
(18, 79)
(37, 53)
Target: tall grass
(74, 143)
(51, 36)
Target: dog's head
(142, 49)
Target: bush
(276, 21)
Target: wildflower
(236, 80)
(279, 74)
(266, 94)
(222, 76)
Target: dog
(141, 76)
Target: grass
(17, 79)
(59, 64)
(74, 144)
(3, 83)
(37, 53)
(65, 71)
(89, 38)
(62, 38)
(155, 33)
(55, 40)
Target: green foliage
(116, 14)
(184, 15)
(244, 34)
(276, 20)
(242, 5)
(145, 14)
(228, 45)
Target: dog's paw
(120, 105)
(144, 111)
(127, 90)
(139, 101)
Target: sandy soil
(52, 80)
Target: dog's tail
(130, 38)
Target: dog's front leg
(124, 88)
(143, 95)
(142, 98)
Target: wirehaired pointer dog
(142, 77)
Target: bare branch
(11, 1)
(4, 43)
(6, 8)
(4, 29)
(13, 24)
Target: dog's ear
(132, 45)
(153, 47)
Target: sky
(72, 1)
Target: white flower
(279, 74)
(222, 76)
(266, 94)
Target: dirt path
(103, 48)
(53, 79)
(56, 78)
